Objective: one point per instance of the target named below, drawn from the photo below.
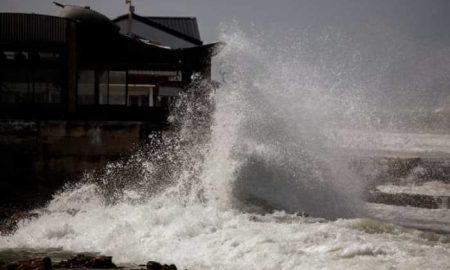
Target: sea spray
(225, 190)
(169, 161)
(286, 160)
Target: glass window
(23, 80)
(142, 91)
(86, 87)
(117, 87)
(103, 81)
(47, 85)
(49, 56)
(140, 95)
(169, 91)
(16, 86)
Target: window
(169, 91)
(134, 88)
(117, 87)
(141, 88)
(103, 89)
(140, 95)
(167, 95)
(47, 85)
(86, 87)
(26, 79)
(16, 85)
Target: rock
(169, 267)
(154, 266)
(84, 261)
(32, 264)
(151, 265)
(414, 200)
(9, 225)
(102, 262)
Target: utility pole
(130, 16)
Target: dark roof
(182, 27)
(21, 27)
(185, 25)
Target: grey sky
(417, 18)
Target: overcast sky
(428, 19)
(414, 35)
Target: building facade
(82, 66)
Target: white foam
(198, 236)
(431, 188)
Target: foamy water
(198, 236)
(432, 188)
(232, 196)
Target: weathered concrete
(37, 157)
(400, 171)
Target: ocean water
(250, 180)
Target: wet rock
(84, 261)
(102, 262)
(151, 265)
(170, 267)
(154, 266)
(9, 225)
(414, 200)
(32, 264)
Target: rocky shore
(80, 261)
(8, 224)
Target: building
(79, 90)
(81, 66)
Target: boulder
(151, 265)
(169, 267)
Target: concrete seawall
(38, 157)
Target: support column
(71, 68)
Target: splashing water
(226, 189)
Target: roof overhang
(160, 27)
